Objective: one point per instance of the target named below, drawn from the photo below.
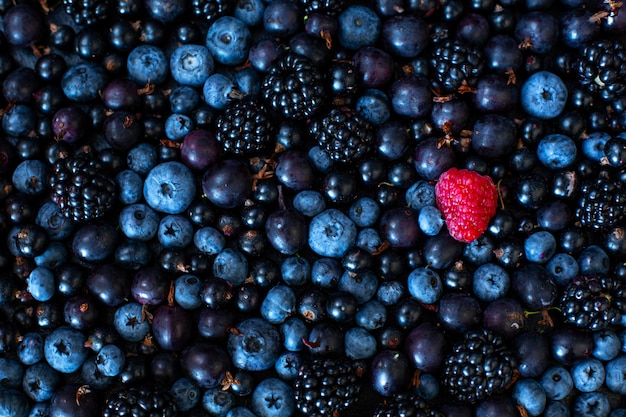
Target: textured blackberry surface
(478, 367)
(602, 203)
(601, 68)
(211, 10)
(405, 405)
(329, 7)
(244, 128)
(86, 12)
(324, 386)
(344, 134)
(140, 402)
(81, 188)
(454, 64)
(594, 301)
(293, 87)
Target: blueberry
(228, 40)
(273, 398)
(606, 345)
(175, 231)
(425, 285)
(530, 395)
(588, 375)
(30, 348)
(279, 303)
(544, 95)
(84, 82)
(359, 343)
(255, 346)
(591, 404)
(187, 291)
(110, 360)
(540, 247)
(216, 401)
(563, 268)
(40, 382)
(191, 65)
(169, 187)
(209, 240)
(374, 106)
(430, 220)
(490, 282)
(13, 403)
(295, 271)
(362, 285)
(231, 265)
(139, 222)
(557, 151)
(287, 365)
(56, 225)
(185, 393)
(358, 26)
(130, 323)
(165, 11)
(41, 284)
(64, 349)
(11, 373)
(293, 330)
(616, 375)
(557, 382)
(331, 233)
(147, 63)
(31, 177)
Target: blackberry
(601, 68)
(324, 386)
(293, 87)
(405, 404)
(140, 402)
(455, 64)
(329, 7)
(244, 128)
(602, 203)
(344, 134)
(211, 10)
(479, 366)
(87, 12)
(81, 187)
(594, 301)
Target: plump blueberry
(255, 346)
(216, 401)
(420, 195)
(209, 240)
(31, 177)
(13, 403)
(64, 349)
(185, 393)
(430, 220)
(556, 409)
(591, 404)
(295, 271)
(326, 272)
(374, 105)
(83, 82)
(279, 303)
(273, 398)
(588, 375)
(231, 265)
(130, 323)
(359, 343)
(287, 365)
(557, 151)
(616, 375)
(110, 360)
(540, 247)
(593, 260)
(30, 348)
(139, 222)
(331, 233)
(11, 373)
(293, 330)
(169, 187)
(490, 282)
(529, 394)
(425, 285)
(563, 267)
(362, 285)
(229, 40)
(557, 382)
(544, 95)
(147, 63)
(358, 26)
(606, 345)
(191, 64)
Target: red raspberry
(468, 201)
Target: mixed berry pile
(313, 208)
